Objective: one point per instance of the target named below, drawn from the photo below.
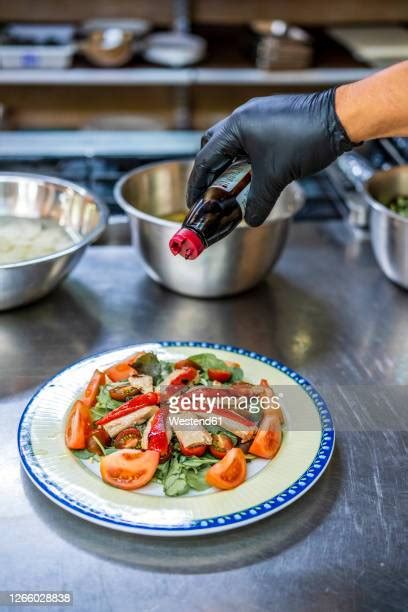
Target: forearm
(375, 107)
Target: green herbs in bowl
(399, 205)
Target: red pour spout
(186, 243)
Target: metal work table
(326, 311)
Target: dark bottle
(216, 214)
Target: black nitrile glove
(284, 137)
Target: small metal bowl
(235, 264)
(389, 230)
(37, 196)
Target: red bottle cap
(186, 243)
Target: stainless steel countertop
(326, 311)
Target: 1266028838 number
(36, 598)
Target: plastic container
(36, 56)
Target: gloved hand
(284, 137)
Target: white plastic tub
(36, 56)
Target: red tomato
(78, 426)
(219, 375)
(185, 376)
(193, 451)
(97, 435)
(268, 438)
(129, 468)
(221, 444)
(91, 392)
(123, 393)
(120, 371)
(185, 363)
(229, 472)
(128, 438)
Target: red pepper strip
(140, 401)
(157, 439)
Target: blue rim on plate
(222, 522)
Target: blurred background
(75, 77)
(179, 63)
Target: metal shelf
(253, 76)
(73, 143)
(182, 76)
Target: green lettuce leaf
(209, 361)
(175, 481)
(196, 479)
(104, 404)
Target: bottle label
(232, 175)
(242, 198)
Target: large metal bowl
(232, 265)
(389, 230)
(37, 196)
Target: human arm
(287, 137)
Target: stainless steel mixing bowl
(232, 265)
(37, 196)
(389, 230)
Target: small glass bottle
(216, 214)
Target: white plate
(306, 450)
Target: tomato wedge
(229, 472)
(129, 469)
(123, 369)
(91, 392)
(219, 375)
(78, 426)
(268, 438)
(128, 438)
(97, 440)
(123, 393)
(193, 451)
(120, 371)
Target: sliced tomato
(128, 438)
(129, 468)
(123, 393)
(97, 440)
(91, 392)
(185, 376)
(221, 444)
(120, 371)
(193, 451)
(229, 472)
(219, 375)
(78, 426)
(268, 438)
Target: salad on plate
(187, 425)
